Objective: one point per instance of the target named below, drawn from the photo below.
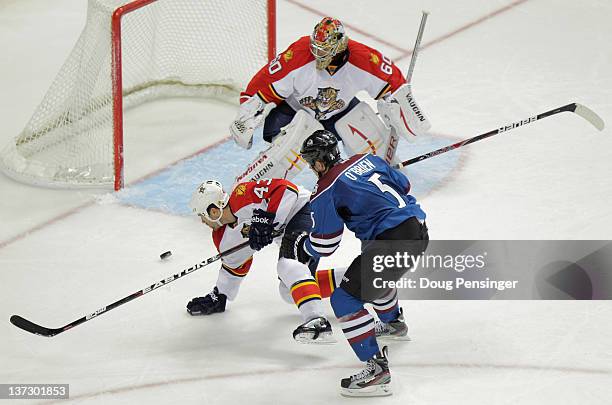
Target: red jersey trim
(244, 194)
(217, 235)
(240, 271)
(294, 57)
(372, 61)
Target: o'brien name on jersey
(359, 169)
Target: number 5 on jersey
(375, 178)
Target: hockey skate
(317, 330)
(373, 381)
(394, 330)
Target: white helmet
(209, 193)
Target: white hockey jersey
(293, 77)
(277, 196)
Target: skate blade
(381, 390)
(323, 339)
(390, 338)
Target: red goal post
(117, 77)
(131, 52)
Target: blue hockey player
(371, 199)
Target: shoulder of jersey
(366, 58)
(377, 159)
(242, 195)
(297, 54)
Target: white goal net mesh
(170, 48)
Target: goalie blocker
(360, 130)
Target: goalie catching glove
(401, 112)
(250, 116)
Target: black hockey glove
(211, 303)
(292, 247)
(262, 229)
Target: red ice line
(404, 53)
(256, 373)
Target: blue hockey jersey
(366, 194)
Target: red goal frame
(117, 81)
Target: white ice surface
(548, 180)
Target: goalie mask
(210, 193)
(321, 146)
(327, 40)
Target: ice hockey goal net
(131, 52)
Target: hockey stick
(393, 136)
(417, 46)
(31, 327)
(576, 108)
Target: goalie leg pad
(363, 132)
(282, 159)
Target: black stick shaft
(31, 327)
(570, 107)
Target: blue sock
(356, 323)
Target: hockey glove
(292, 247)
(250, 116)
(261, 230)
(402, 113)
(211, 303)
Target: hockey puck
(165, 255)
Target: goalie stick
(393, 141)
(31, 327)
(576, 108)
(417, 45)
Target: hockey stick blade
(578, 109)
(589, 115)
(31, 327)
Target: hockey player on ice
(254, 211)
(313, 85)
(371, 199)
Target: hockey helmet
(322, 145)
(210, 193)
(328, 39)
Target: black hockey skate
(209, 304)
(373, 381)
(317, 330)
(394, 330)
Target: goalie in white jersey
(313, 85)
(258, 212)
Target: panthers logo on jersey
(240, 190)
(325, 102)
(245, 230)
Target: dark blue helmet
(321, 145)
